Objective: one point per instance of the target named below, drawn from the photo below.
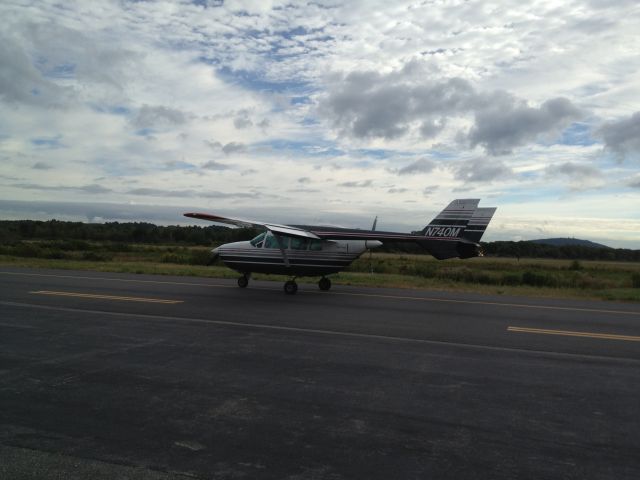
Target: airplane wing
(285, 230)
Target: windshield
(257, 241)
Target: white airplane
(298, 250)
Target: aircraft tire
(290, 287)
(243, 281)
(324, 284)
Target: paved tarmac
(135, 376)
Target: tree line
(524, 249)
(12, 231)
(131, 232)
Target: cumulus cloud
(574, 170)
(581, 176)
(157, 192)
(242, 120)
(41, 166)
(188, 193)
(634, 182)
(365, 104)
(369, 104)
(622, 136)
(228, 148)
(158, 116)
(510, 123)
(213, 165)
(430, 190)
(424, 165)
(481, 170)
(353, 184)
(432, 127)
(91, 189)
(233, 147)
(22, 83)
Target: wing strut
(284, 254)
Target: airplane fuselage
(317, 258)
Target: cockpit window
(257, 241)
(272, 242)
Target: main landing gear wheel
(243, 281)
(324, 284)
(290, 287)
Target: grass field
(532, 277)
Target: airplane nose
(215, 254)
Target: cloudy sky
(326, 112)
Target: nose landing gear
(243, 281)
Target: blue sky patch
(64, 70)
(254, 81)
(61, 70)
(378, 153)
(301, 100)
(313, 149)
(577, 134)
(145, 132)
(48, 142)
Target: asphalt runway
(135, 376)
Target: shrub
(54, 254)
(575, 265)
(117, 247)
(170, 258)
(512, 279)
(420, 270)
(536, 279)
(27, 250)
(96, 256)
(200, 257)
(635, 280)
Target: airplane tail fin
(456, 231)
(478, 223)
(451, 222)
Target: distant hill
(561, 242)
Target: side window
(298, 243)
(315, 245)
(271, 242)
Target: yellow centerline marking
(567, 333)
(105, 297)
